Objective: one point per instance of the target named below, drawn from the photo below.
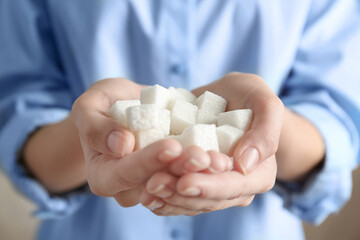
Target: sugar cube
(202, 135)
(206, 117)
(240, 118)
(227, 137)
(189, 96)
(157, 95)
(165, 121)
(143, 117)
(211, 102)
(117, 110)
(174, 95)
(146, 137)
(183, 114)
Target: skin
(164, 177)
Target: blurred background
(17, 222)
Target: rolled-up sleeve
(33, 93)
(323, 87)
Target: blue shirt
(307, 51)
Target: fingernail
(169, 155)
(193, 162)
(157, 189)
(116, 143)
(155, 205)
(212, 170)
(249, 160)
(191, 192)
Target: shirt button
(175, 234)
(178, 69)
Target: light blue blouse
(308, 51)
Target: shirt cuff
(326, 190)
(12, 138)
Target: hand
(254, 156)
(260, 142)
(110, 168)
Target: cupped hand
(110, 168)
(260, 141)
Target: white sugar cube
(188, 96)
(240, 118)
(211, 102)
(183, 114)
(174, 95)
(206, 117)
(227, 137)
(143, 117)
(180, 93)
(157, 95)
(202, 135)
(165, 121)
(146, 137)
(117, 110)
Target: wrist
(301, 148)
(53, 155)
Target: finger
(220, 162)
(193, 159)
(159, 207)
(170, 210)
(261, 140)
(206, 205)
(228, 185)
(150, 201)
(130, 197)
(107, 177)
(161, 185)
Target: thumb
(97, 130)
(261, 141)
(106, 136)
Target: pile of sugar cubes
(177, 113)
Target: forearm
(301, 148)
(54, 156)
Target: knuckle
(93, 184)
(210, 209)
(160, 214)
(275, 105)
(124, 201)
(126, 204)
(90, 135)
(246, 202)
(268, 186)
(271, 143)
(77, 103)
(192, 213)
(123, 183)
(232, 74)
(95, 189)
